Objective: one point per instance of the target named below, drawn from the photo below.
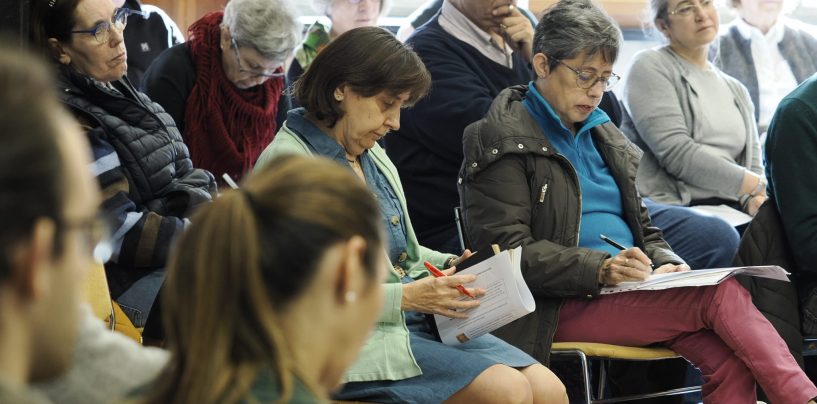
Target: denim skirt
(446, 369)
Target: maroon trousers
(716, 328)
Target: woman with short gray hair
(224, 87)
(343, 15)
(547, 170)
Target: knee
(545, 386)
(722, 240)
(719, 232)
(518, 389)
(732, 292)
(497, 384)
(513, 387)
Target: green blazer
(387, 354)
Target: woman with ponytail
(273, 288)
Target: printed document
(507, 298)
(700, 277)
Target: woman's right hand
(754, 204)
(630, 265)
(752, 184)
(439, 295)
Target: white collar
(774, 36)
(457, 24)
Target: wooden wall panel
(14, 21)
(628, 13)
(185, 12)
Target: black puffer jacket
(144, 169)
(764, 243)
(516, 189)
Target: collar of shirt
(319, 141)
(549, 120)
(773, 37)
(459, 26)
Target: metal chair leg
(588, 394)
(603, 364)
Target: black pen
(616, 245)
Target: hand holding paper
(506, 298)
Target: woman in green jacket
(353, 94)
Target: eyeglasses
(689, 9)
(587, 79)
(253, 73)
(102, 31)
(95, 233)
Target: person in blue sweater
(474, 49)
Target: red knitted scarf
(226, 128)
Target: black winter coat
(764, 243)
(148, 181)
(516, 189)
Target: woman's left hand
(456, 261)
(667, 268)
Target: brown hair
(52, 19)
(368, 59)
(32, 185)
(243, 260)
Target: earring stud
(350, 297)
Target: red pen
(438, 274)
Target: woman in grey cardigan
(768, 53)
(695, 124)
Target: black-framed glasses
(587, 79)
(95, 235)
(253, 73)
(689, 9)
(102, 31)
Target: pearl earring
(350, 297)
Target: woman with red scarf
(224, 86)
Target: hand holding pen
(439, 274)
(440, 295)
(631, 265)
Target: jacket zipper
(542, 194)
(578, 186)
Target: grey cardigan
(734, 57)
(664, 122)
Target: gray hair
(269, 26)
(572, 27)
(322, 6)
(658, 9)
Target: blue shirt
(602, 208)
(390, 210)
